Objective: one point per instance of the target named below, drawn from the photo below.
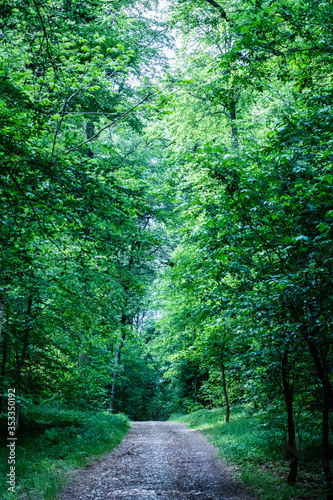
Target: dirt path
(158, 460)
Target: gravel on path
(158, 460)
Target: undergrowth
(51, 441)
(258, 455)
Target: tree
(256, 219)
(77, 217)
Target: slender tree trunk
(323, 371)
(325, 450)
(225, 392)
(20, 362)
(234, 135)
(320, 362)
(196, 383)
(288, 397)
(113, 389)
(116, 364)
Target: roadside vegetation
(258, 452)
(51, 442)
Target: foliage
(254, 452)
(78, 193)
(249, 290)
(54, 440)
(166, 229)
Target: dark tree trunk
(20, 362)
(114, 381)
(219, 8)
(321, 362)
(234, 136)
(225, 392)
(323, 373)
(116, 364)
(325, 451)
(288, 397)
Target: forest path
(158, 460)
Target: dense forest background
(166, 220)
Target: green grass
(257, 454)
(51, 442)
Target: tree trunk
(219, 8)
(225, 392)
(288, 397)
(323, 374)
(196, 383)
(325, 451)
(20, 362)
(113, 389)
(234, 136)
(116, 364)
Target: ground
(158, 460)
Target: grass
(51, 442)
(256, 453)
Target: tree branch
(109, 125)
(221, 10)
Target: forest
(166, 228)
